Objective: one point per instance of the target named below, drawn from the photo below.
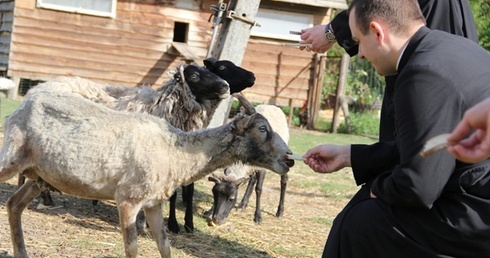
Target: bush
(366, 123)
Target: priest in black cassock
(411, 206)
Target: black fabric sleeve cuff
(369, 161)
(340, 27)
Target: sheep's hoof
(279, 214)
(174, 229)
(189, 229)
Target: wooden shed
(135, 42)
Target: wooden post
(232, 43)
(291, 113)
(340, 95)
(315, 92)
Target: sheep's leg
(173, 226)
(127, 220)
(47, 201)
(280, 208)
(189, 216)
(248, 192)
(20, 181)
(15, 206)
(141, 222)
(184, 193)
(258, 193)
(155, 220)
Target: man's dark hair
(398, 14)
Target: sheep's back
(85, 144)
(88, 89)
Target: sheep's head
(225, 193)
(260, 145)
(204, 84)
(238, 78)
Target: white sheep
(226, 185)
(83, 149)
(6, 84)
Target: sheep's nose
(289, 162)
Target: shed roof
(337, 4)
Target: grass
(7, 107)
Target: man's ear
(378, 29)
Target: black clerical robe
(425, 207)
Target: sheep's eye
(263, 129)
(221, 68)
(194, 76)
(232, 198)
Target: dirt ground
(76, 228)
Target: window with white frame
(106, 8)
(277, 24)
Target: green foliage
(363, 83)
(323, 125)
(332, 69)
(481, 12)
(366, 123)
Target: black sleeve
(340, 26)
(369, 161)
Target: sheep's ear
(209, 62)
(241, 124)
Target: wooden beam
(231, 45)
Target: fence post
(340, 100)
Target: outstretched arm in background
(340, 28)
(316, 37)
(476, 147)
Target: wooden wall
(135, 47)
(282, 73)
(128, 50)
